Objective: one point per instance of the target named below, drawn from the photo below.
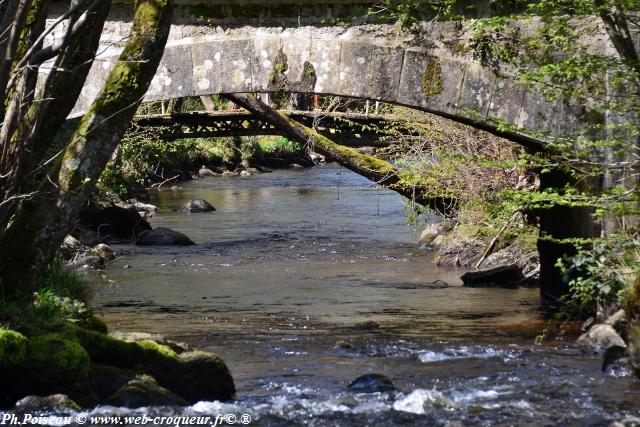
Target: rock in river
(599, 338)
(144, 390)
(198, 205)
(500, 277)
(55, 402)
(371, 383)
(163, 237)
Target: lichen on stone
(432, 78)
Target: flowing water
(304, 280)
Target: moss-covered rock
(13, 349)
(94, 323)
(55, 363)
(198, 370)
(192, 375)
(143, 390)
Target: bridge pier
(559, 223)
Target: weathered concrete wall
(429, 71)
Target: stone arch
(437, 80)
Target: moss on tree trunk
(28, 245)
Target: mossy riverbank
(54, 344)
(142, 161)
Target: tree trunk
(38, 126)
(28, 245)
(380, 171)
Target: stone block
(506, 101)
(355, 65)
(478, 86)
(383, 80)
(236, 66)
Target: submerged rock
(371, 383)
(163, 237)
(143, 390)
(600, 338)
(198, 205)
(345, 345)
(501, 277)
(53, 403)
(368, 325)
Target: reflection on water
(286, 274)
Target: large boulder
(600, 338)
(192, 375)
(201, 376)
(198, 205)
(459, 252)
(55, 364)
(54, 403)
(500, 277)
(143, 390)
(163, 237)
(113, 223)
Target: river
(304, 280)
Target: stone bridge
(271, 46)
(431, 70)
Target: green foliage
(279, 145)
(141, 159)
(63, 282)
(492, 42)
(601, 273)
(58, 299)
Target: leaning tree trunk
(28, 245)
(373, 168)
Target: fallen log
(380, 171)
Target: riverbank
(143, 162)
(55, 354)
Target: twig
(167, 180)
(492, 244)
